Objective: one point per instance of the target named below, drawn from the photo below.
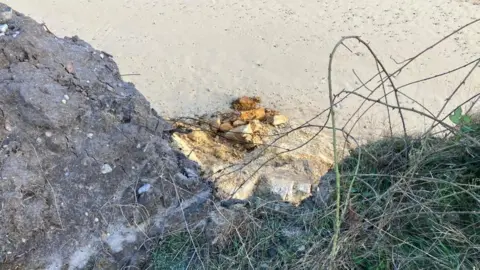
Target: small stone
(69, 67)
(66, 97)
(89, 135)
(24, 240)
(237, 123)
(8, 126)
(64, 101)
(258, 114)
(6, 14)
(279, 120)
(144, 188)
(102, 55)
(106, 169)
(301, 248)
(96, 220)
(240, 134)
(3, 28)
(225, 127)
(86, 214)
(215, 123)
(246, 103)
(48, 134)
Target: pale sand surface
(194, 56)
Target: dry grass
(406, 210)
(415, 212)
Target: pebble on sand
(279, 120)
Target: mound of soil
(87, 176)
(249, 150)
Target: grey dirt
(87, 176)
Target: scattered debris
(225, 136)
(223, 142)
(245, 126)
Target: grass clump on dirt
(407, 203)
(419, 211)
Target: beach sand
(195, 56)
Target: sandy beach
(193, 57)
